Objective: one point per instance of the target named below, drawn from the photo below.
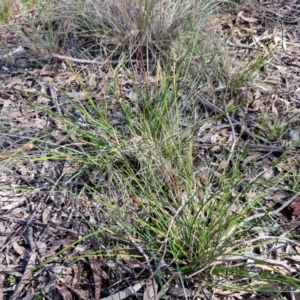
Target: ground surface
(42, 210)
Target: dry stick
(213, 108)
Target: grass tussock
(187, 183)
(183, 210)
(140, 29)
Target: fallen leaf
(96, 269)
(20, 250)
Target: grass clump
(141, 26)
(157, 170)
(186, 212)
(140, 29)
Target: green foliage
(6, 7)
